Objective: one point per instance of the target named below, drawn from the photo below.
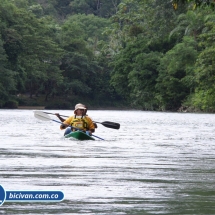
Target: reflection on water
(157, 163)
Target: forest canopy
(147, 54)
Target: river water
(156, 163)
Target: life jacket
(80, 122)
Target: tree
(204, 96)
(176, 75)
(29, 47)
(140, 37)
(91, 29)
(123, 64)
(78, 59)
(195, 3)
(7, 82)
(142, 80)
(190, 24)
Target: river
(156, 163)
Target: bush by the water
(59, 106)
(11, 104)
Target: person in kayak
(79, 121)
(85, 113)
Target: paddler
(79, 121)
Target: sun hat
(79, 106)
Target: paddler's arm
(91, 126)
(59, 117)
(63, 126)
(66, 123)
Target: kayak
(79, 135)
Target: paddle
(43, 116)
(54, 114)
(107, 124)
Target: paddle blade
(113, 125)
(42, 116)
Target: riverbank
(58, 103)
(31, 107)
(91, 108)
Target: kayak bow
(79, 135)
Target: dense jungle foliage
(148, 54)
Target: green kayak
(79, 135)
